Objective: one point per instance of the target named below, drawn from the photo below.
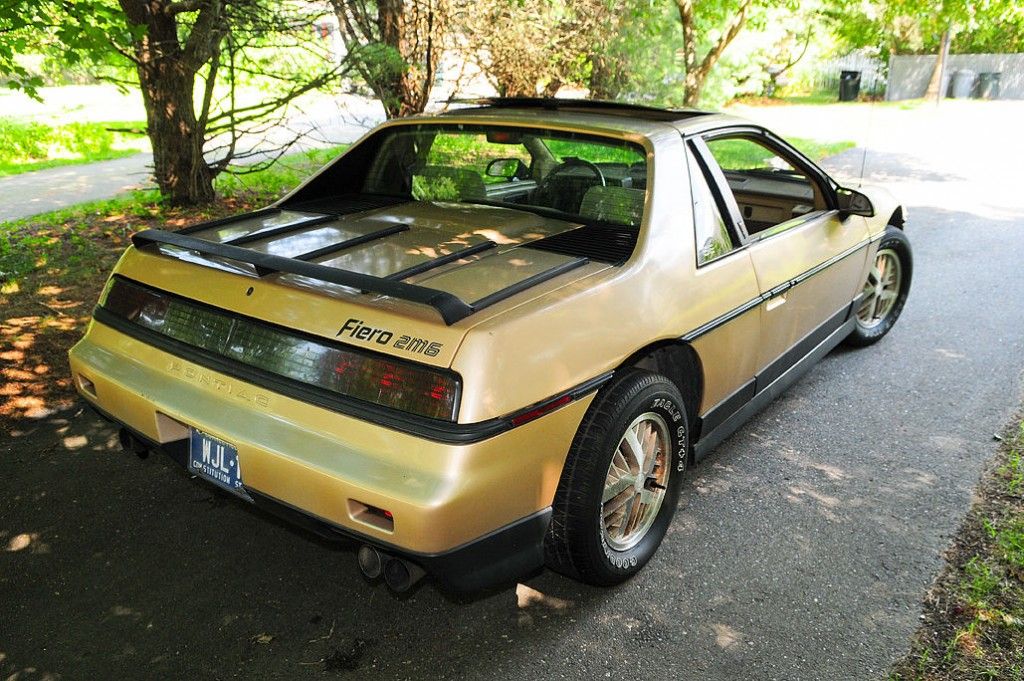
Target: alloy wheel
(636, 482)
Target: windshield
(572, 176)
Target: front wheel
(621, 480)
(886, 289)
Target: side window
(713, 238)
(769, 190)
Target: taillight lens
(392, 383)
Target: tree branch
(685, 8)
(174, 8)
(732, 29)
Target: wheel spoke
(651, 450)
(627, 517)
(617, 487)
(865, 306)
(636, 450)
(615, 505)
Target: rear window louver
(346, 205)
(600, 243)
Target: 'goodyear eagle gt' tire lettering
(621, 480)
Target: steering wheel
(547, 196)
(570, 163)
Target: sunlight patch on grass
(26, 146)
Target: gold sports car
(493, 339)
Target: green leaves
(916, 26)
(73, 29)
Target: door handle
(776, 302)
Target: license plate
(216, 461)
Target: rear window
(584, 178)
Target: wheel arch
(680, 363)
(897, 218)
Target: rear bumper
(495, 559)
(472, 515)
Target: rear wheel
(886, 289)
(621, 480)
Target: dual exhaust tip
(131, 444)
(399, 574)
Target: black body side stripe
(831, 261)
(723, 319)
(781, 288)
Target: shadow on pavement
(117, 566)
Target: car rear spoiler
(451, 308)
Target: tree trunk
(390, 87)
(934, 90)
(411, 31)
(697, 74)
(167, 81)
(603, 79)
(180, 169)
(693, 85)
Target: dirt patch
(973, 620)
(44, 311)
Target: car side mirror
(508, 168)
(852, 202)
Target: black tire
(575, 544)
(894, 241)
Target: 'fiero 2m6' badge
(354, 328)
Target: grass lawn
(29, 145)
(973, 624)
(740, 154)
(816, 151)
(53, 266)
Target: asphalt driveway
(801, 549)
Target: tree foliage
(916, 27)
(634, 54)
(76, 30)
(532, 47)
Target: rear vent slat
(346, 205)
(612, 245)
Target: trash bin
(963, 83)
(849, 86)
(988, 85)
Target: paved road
(325, 124)
(800, 550)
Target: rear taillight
(379, 379)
